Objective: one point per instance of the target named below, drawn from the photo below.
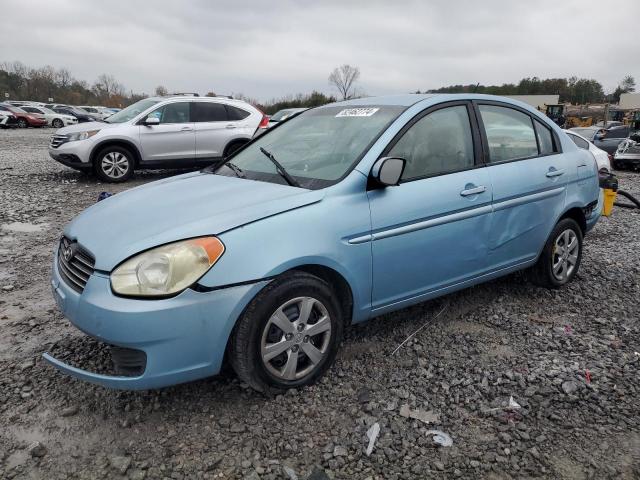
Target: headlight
(82, 135)
(168, 269)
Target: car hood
(86, 126)
(181, 207)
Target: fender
(115, 140)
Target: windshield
(131, 111)
(317, 148)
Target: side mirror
(387, 171)
(149, 121)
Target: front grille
(57, 140)
(75, 265)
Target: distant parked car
(628, 153)
(603, 159)
(80, 115)
(24, 119)
(7, 119)
(605, 139)
(98, 112)
(282, 115)
(610, 123)
(159, 132)
(343, 213)
(54, 119)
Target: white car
(602, 158)
(98, 112)
(7, 119)
(55, 120)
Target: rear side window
(580, 142)
(545, 139)
(439, 143)
(236, 113)
(509, 133)
(209, 112)
(172, 113)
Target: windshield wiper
(235, 169)
(280, 169)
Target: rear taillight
(264, 123)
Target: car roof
(410, 99)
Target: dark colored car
(23, 119)
(605, 139)
(628, 153)
(81, 115)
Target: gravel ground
(568, 358)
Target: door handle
(467, 192)
(186, 129)
(554, 173)
(230, 126)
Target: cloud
(269, 49)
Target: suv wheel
(560, 258)
(232, 147)
(114, 164)
(57, 123)
(289, 334)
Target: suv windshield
(317, 148)
(131, 111)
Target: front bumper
(626, 160)
(184, 338)
(79, 151)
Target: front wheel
(289, 334)
(560, 258)
(114, 164)
(57, 123)
(22, 123)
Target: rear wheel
(560, 258)
(57, 123)
(289, 334)
(114, 164)
(233, 147)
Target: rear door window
(509, 132)
(209, 112)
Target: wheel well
(237, 141)
(578, 215)
(337, 282)
(117, 143)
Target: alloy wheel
(565, 255)
(57, 123)
(115, 164)
(296, 338)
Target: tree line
(571, 90)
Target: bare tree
(344, 79)
(161, 91)
(107, 86)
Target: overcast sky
(267, 49)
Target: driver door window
(172, 113)
(438, 143)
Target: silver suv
(158, 132)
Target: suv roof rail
(185, 94)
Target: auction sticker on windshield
(357, 112)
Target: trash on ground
(425, 417)
(372, 435)
(512, 405)
(104, 195)
(291, 474)
(440, 438)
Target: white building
(630, 101)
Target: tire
(114, 164)
(57, 123)
(558, 265)
(22, 123)
(233, 147)
(270, 369)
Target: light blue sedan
(338, 215)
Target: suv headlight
(82, 135)
(168, 269)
